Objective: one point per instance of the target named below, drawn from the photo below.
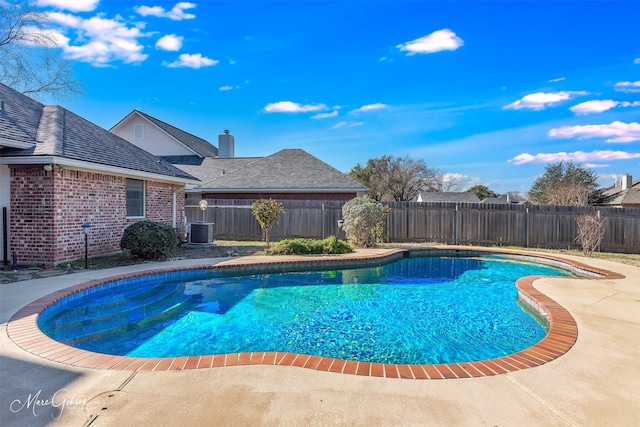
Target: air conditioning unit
(201, 232)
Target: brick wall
(49, 208)
(343, 197)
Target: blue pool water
(415, 310)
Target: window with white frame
(135, 197)
(138, 131)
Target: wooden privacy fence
(484, 224)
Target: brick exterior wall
(342, 197)
(49, 208)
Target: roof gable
(196, 144)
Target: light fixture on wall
(48, 168)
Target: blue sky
(490, 92)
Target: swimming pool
(415, 310)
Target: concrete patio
(596, 383)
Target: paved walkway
(596, 383)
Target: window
(135, 197)
(138, 131)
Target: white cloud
(370, 107)
(347, 125)
(72, 5)
(540, 100)
(576, 156)
(334, 113)
(435, 42)
(559, 79)
(293, 107)
(177, 13)
(628, 87)
(170, 42)
(195, 60)
(637, 61)
(616, 132)
(599, 106)
(103, 40)
(225, 88)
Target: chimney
(627, 182)
(226, 145)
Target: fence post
(323, 221)
(527, 226)
(457, 221)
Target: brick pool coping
(561, 336)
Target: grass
(631, 259)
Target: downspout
(174, 211)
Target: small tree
(362, 215)
(267, 213)
(590, 232)
(482, 191)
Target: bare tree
(568, 194)
(447, 182)
(395, 178)
(31, 62)
(591, 230)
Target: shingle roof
(287, 169)
(504, 199)
(462, 197)
(618, 196)
(199, 145)
(58, 132)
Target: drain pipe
(14, 260)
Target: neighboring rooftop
(453, 196)
(286, 169)
(624, 193)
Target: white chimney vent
(226, 145)
(627, 182)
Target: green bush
(149, 240)
(362, 216)
(330, 245)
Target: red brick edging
(562, 334)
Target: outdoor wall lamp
(85, 229)
(48, 168)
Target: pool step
(103, 306)
(62, 328)
(123, 328)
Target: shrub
(330, 245)
(149, 240)
(362, 216)
(590, 232)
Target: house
(505, 199)
(290, 174)
(59, 172)
(625, 193)
(446, 196)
